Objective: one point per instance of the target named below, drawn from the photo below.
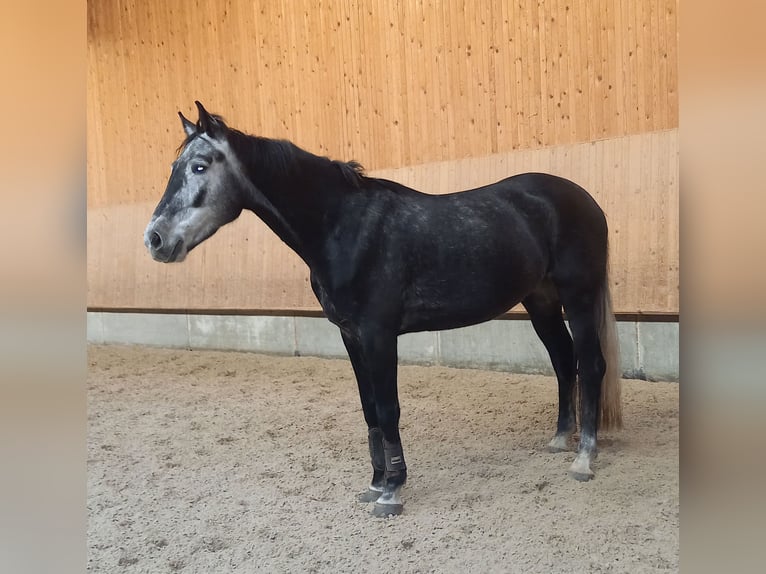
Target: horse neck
(286, 196)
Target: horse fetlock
(378, 478)
(395, 479)
(559, 443)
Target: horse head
(204, 192)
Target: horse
(385, 259)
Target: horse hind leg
(591, 369)
(592, 323)
(545, 313)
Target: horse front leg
(377, 350)
(383, 363)
(374, 434)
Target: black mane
(283, 156)
(352, 170)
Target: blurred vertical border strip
(723, 311)
(42, 320)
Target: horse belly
(461, 301)
(440, 319)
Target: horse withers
(386, 260)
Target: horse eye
(199, 168)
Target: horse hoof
(369, 495)
(389, 503)
(580, 469)
(581, 476)
(385, 510)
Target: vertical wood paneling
(368, 80)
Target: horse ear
(189, 127)
(207, 123)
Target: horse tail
(610, 400)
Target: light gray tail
(610, 402)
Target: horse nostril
(156, 240)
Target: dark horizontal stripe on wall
(512, 316)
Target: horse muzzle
(164, 247)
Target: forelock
(201, 141)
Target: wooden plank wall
(440, 95)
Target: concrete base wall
(648, 350)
